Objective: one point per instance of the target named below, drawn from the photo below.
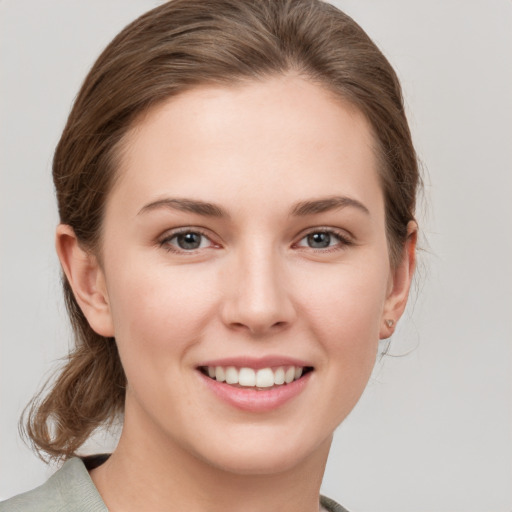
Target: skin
(254, 287)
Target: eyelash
(344, 241)
(164, 242)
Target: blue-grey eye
(319, 240)
(323, 240)
(189, 241)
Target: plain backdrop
(433, 431)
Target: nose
(258, 298)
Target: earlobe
(400, 284)
(86, 279)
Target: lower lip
(256, 400)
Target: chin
(263, 454)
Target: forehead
(283, 133)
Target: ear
(87, 280)
(399, 284)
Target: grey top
(71, 489)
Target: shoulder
(70, 489)
(330, 505)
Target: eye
(186, 241)
(319, 240)
(323, 239)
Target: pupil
(319, 240)
(189, 240)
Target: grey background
(433, 431)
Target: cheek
(159, 312)
(346, 301)
(344, 312)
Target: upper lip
(256, 362)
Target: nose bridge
(259, 300)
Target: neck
(158, 475)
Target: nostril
(259, 329)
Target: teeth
(262, 378)
(289, 375)
(220, 374)
(279, 376)
(265, 378)
(231, 375)
(247, 377)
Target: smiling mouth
(262, 378)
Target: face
(245, 241)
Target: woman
(236, 186)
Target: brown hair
(164, 52)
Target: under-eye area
(261, 378)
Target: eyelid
(345, 238)
(168, 235)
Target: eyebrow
(327, 204)
(186, 205)
(300, 209)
